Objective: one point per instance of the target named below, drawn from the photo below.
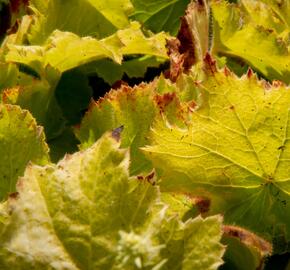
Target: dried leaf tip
(277, 83)
(210, 64)
(227, 71)
(250, 73)
(202, 204)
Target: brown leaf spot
(282, 147)
(13, 29)
(192, 105)
(186, 44)
(266, 85)
(13, 196)
(202, 204)
(20, 184)
(176, 59)
(150, 178)
(164, 100)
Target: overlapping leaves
(134, 109)
(219, 141)
(52, 42)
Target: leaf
(133, 68)
(8, 75)
(244, 249)
(65, 143)
(65, 50)
(255, 31)
(73, 94)
(128, 107)
(192, 41)
(159, 15)
(37, 96)
(21, 141)
(135, 109)
(236, 144)
(81, 17)
(116, 222)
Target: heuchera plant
(144, 134)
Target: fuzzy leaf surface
(116, 222)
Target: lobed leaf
(86, 213)
(236, 144)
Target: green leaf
(38, 97)
(86, 213)
(245, 250)
(8, 75)
(255, 31)
(236, 144)
(131, 108)
(187, 242)
(65, 50)
(159, 15)
(135, 110)
(82, 17)
(73, 94)
(65, 143)
(21, 141)
(133, 68)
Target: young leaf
(86, 213)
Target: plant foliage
(144, 134)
